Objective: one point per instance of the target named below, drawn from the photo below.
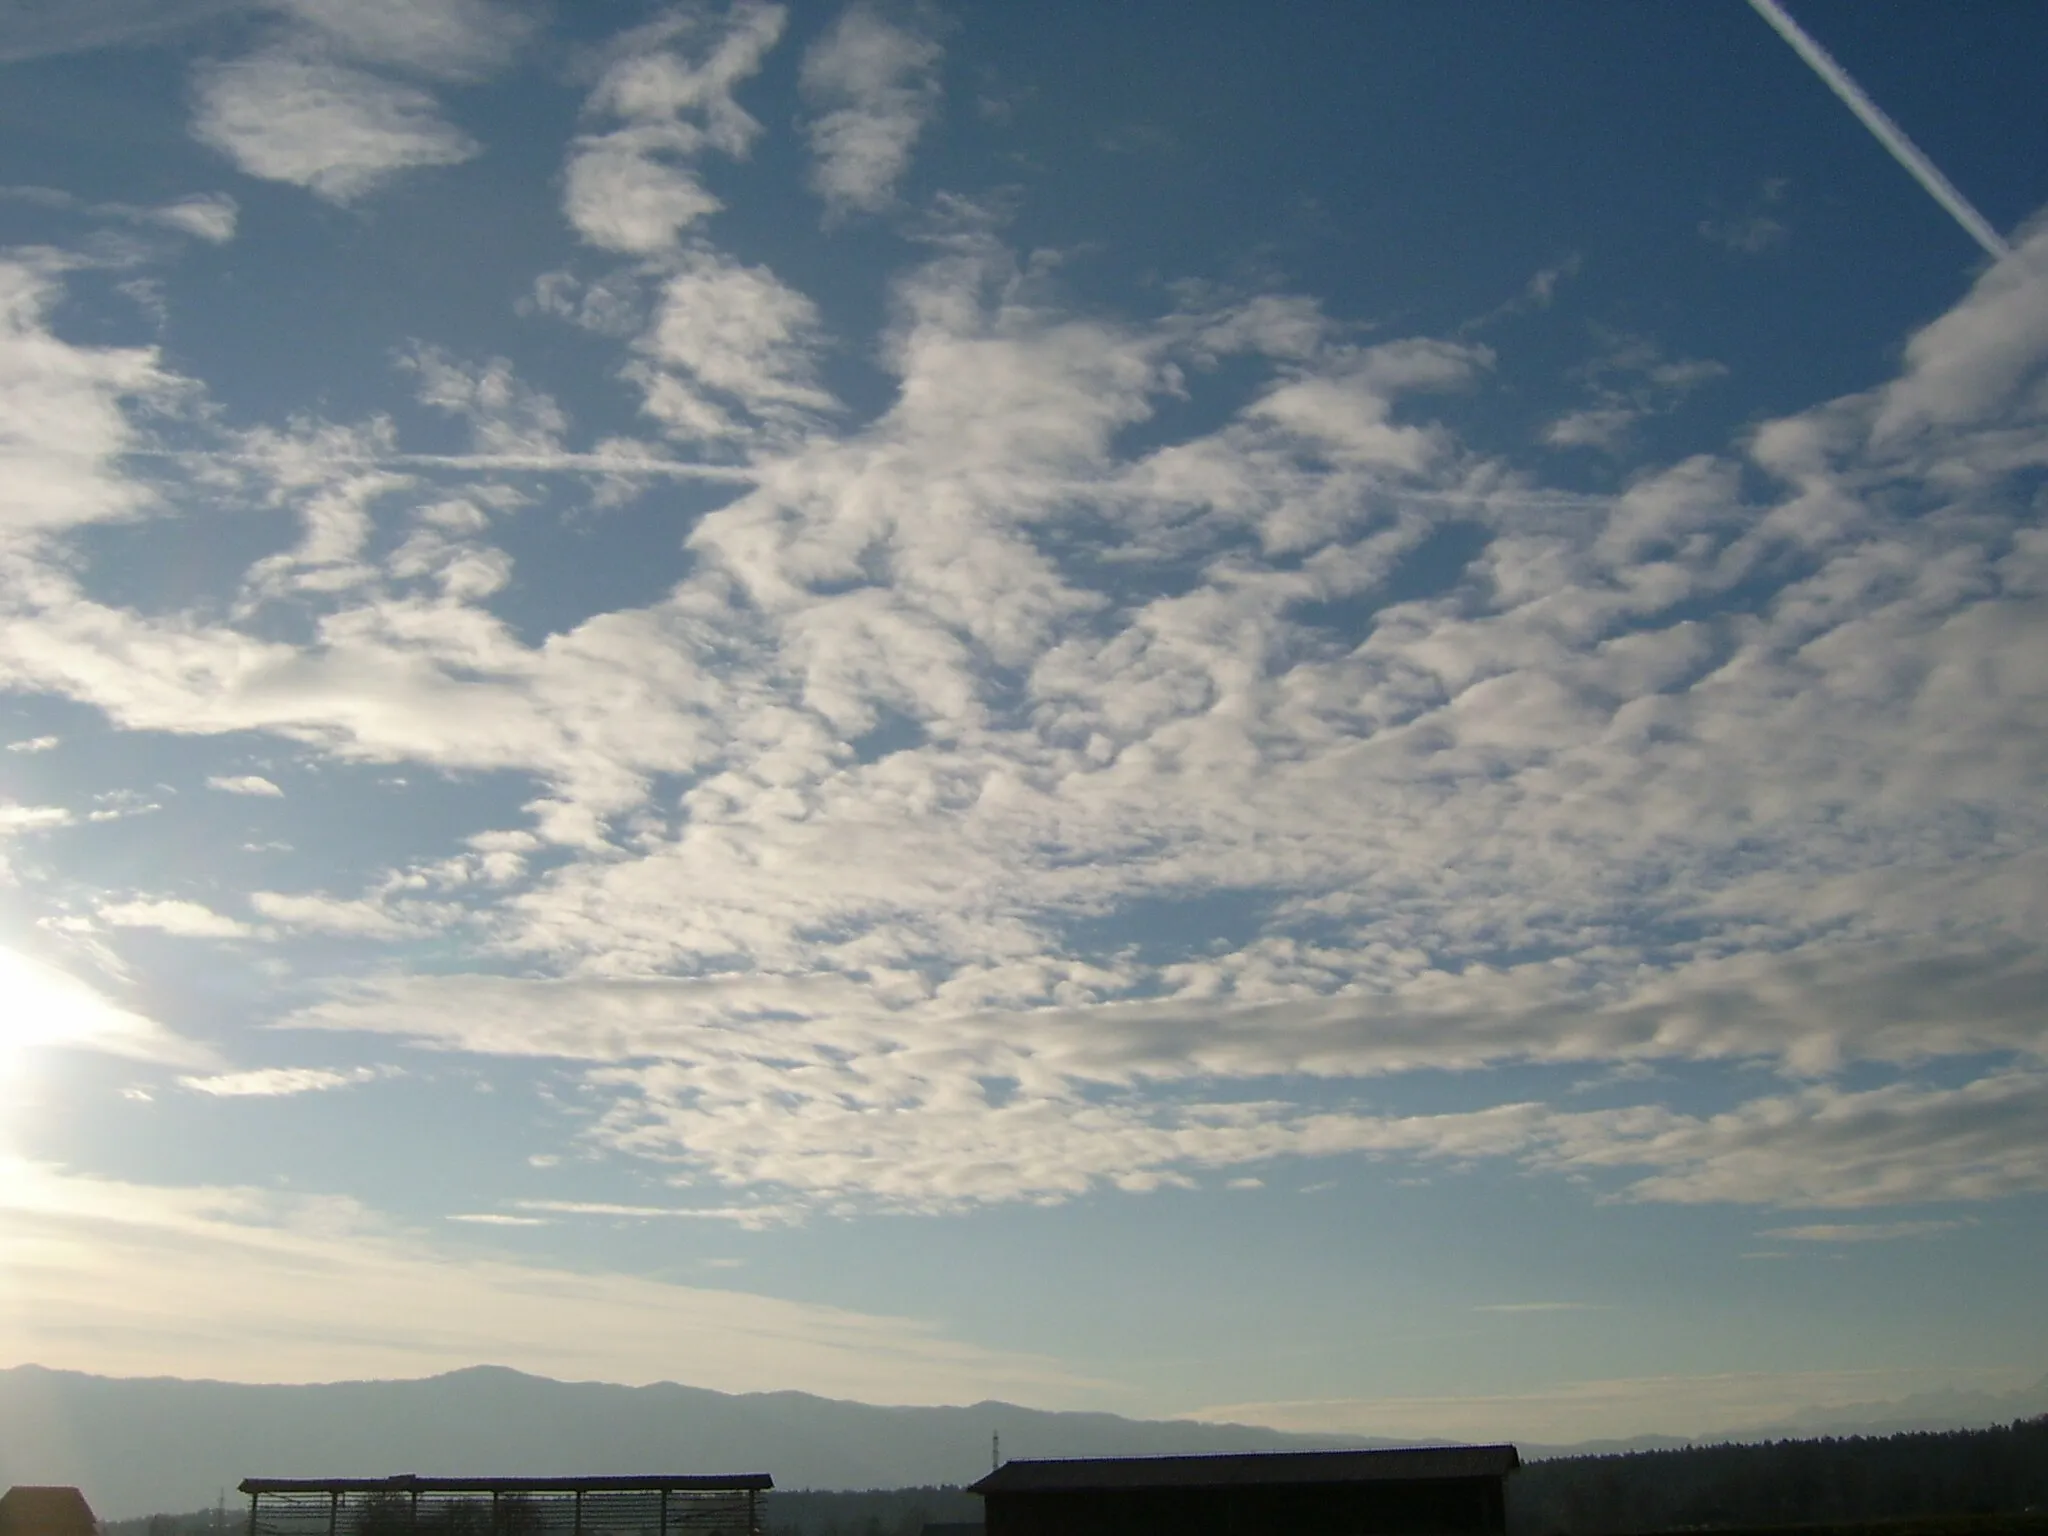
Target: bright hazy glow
(41, 1006)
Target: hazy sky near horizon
(1328, 714)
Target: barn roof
(1256, 1470)
(732, 1482)
(33, 1511)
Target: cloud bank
(1008, 791)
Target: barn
(1431, 1491)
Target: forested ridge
(1786, 1482)
(1820, 1484)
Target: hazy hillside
(136, 1446)
(140, 1446)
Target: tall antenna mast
(995, 1451)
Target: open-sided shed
(1431, 1491)
(653, 1505)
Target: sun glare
(41, 1006)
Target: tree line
(1843, 1481)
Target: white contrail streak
(484, 463)
(1889, 133)
(573, 464)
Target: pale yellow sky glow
(245, 1284)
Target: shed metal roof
(1255, 1470)
(408, 1483)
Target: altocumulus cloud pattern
(691, 627)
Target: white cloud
(338, 131)
(1629, 380)
(359, 918)
(1210, 741)
(622, 196)
(690, 61)
(63, 415)
(1826, 1147)
(280, 1082)
(670, 88)
(35, 744)
(1971, 365)
(736, 331)
(751, 1217)
(186, 919)
(267, 1287)
(15, 817)
(1862, 1231)
(948, 696)
(456, 39)
(210, 217)
(873, 86)
(244, 784)
(840, 1091)
(1602, 426)
(506, 415)
(33, 31)
(207, 216)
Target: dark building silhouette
(657, 1505)
(28, 1511)
(1449, 1491)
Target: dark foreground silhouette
(1982, 1482)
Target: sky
(1325, 715)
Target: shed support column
(333, 1513)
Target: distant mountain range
(137, 1446)
(142, 1445)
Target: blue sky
(1328, 715)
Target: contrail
(484, 463)
(1889, 133)
(572, 463)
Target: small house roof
(40, 1511)
(1259, 1469)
